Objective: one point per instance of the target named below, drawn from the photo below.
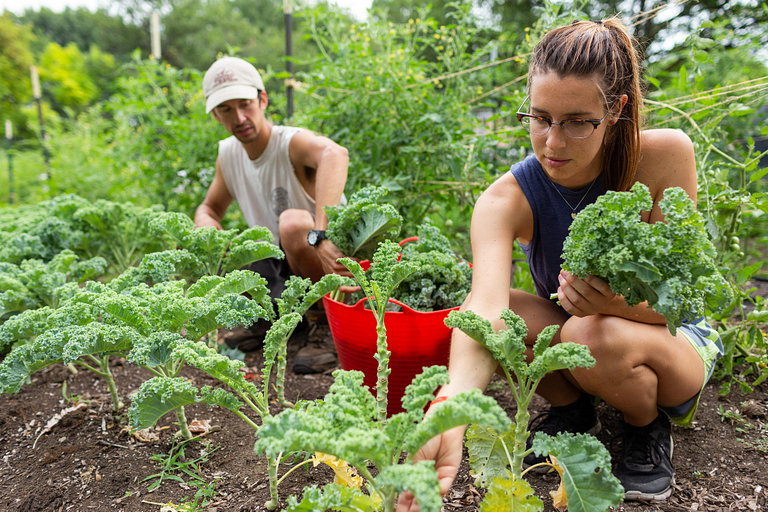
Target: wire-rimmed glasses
(573, 128)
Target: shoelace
(642, 446)
(560, 423)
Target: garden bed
(89, 460)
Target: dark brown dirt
(89, 461)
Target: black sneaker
(576, 418)
(316, 357)
(246, 339)
(645, 468)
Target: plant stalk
(383, 370)
(104, 364)
(272, 463)
(182, 419)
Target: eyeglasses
(573, 128)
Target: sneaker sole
(546, 469)
(655, 497)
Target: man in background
(282, 177)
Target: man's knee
(294, 223)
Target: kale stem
(182, 419)
(294, 468)
(383, 371)
(282, 356)
(272, 473)
(104, 364)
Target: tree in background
(15, 59)
(109, 32)
(73, 79)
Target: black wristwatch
(315, 236)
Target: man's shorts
(275, 271)
(706, 341)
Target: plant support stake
(38, 100)
(288, 14)
(8, 138)
(154, 29)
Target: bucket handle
(408, 310)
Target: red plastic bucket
(415, 339)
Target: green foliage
(345, 424)
(586, 470)
(332, 497)
(358, 228)
(216, 251)
(406, 126)
(15, 59)
(670, 264)
(510, 493)
(588, 480)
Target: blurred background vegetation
(422, 96)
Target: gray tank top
(551, 220)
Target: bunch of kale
(441, 280)
(358, 228)
(668, 264)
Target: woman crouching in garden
(583, 116)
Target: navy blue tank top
(551, 220)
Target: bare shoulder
(505, 203)
(667, 159)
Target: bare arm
(331, 162)
(211, 211)
(471, 365)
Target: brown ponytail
(605, 51)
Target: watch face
(312, 237)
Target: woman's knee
(592, 331)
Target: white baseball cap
(230, 78)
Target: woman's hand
(583, 297)
(446, 451)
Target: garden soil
(90, 461)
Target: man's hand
(446, 450)
(583, 297)
(328, 253)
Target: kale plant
(668, 264)
(582, 461)
(351, 424)
(35, 283)
(358, 228)
(216, 251)
(165, 393)
(440, 279)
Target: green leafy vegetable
(668, 264)
(358, 228)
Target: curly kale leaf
(332, 497)
(342, 425)
(668, 264)
(489, 453)
(240, 255)
(23, 361)
(465, 408)
(24, 326)
(586, 470)
(216, 365)
(173, 224)
(168, 265)
(160, 395)
(440, 281)
(358, 228)
(420, 478)
(507, 347)
(154, 350)
(421, 390)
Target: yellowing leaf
(559, 497)
(345, 475)
(510, 494)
